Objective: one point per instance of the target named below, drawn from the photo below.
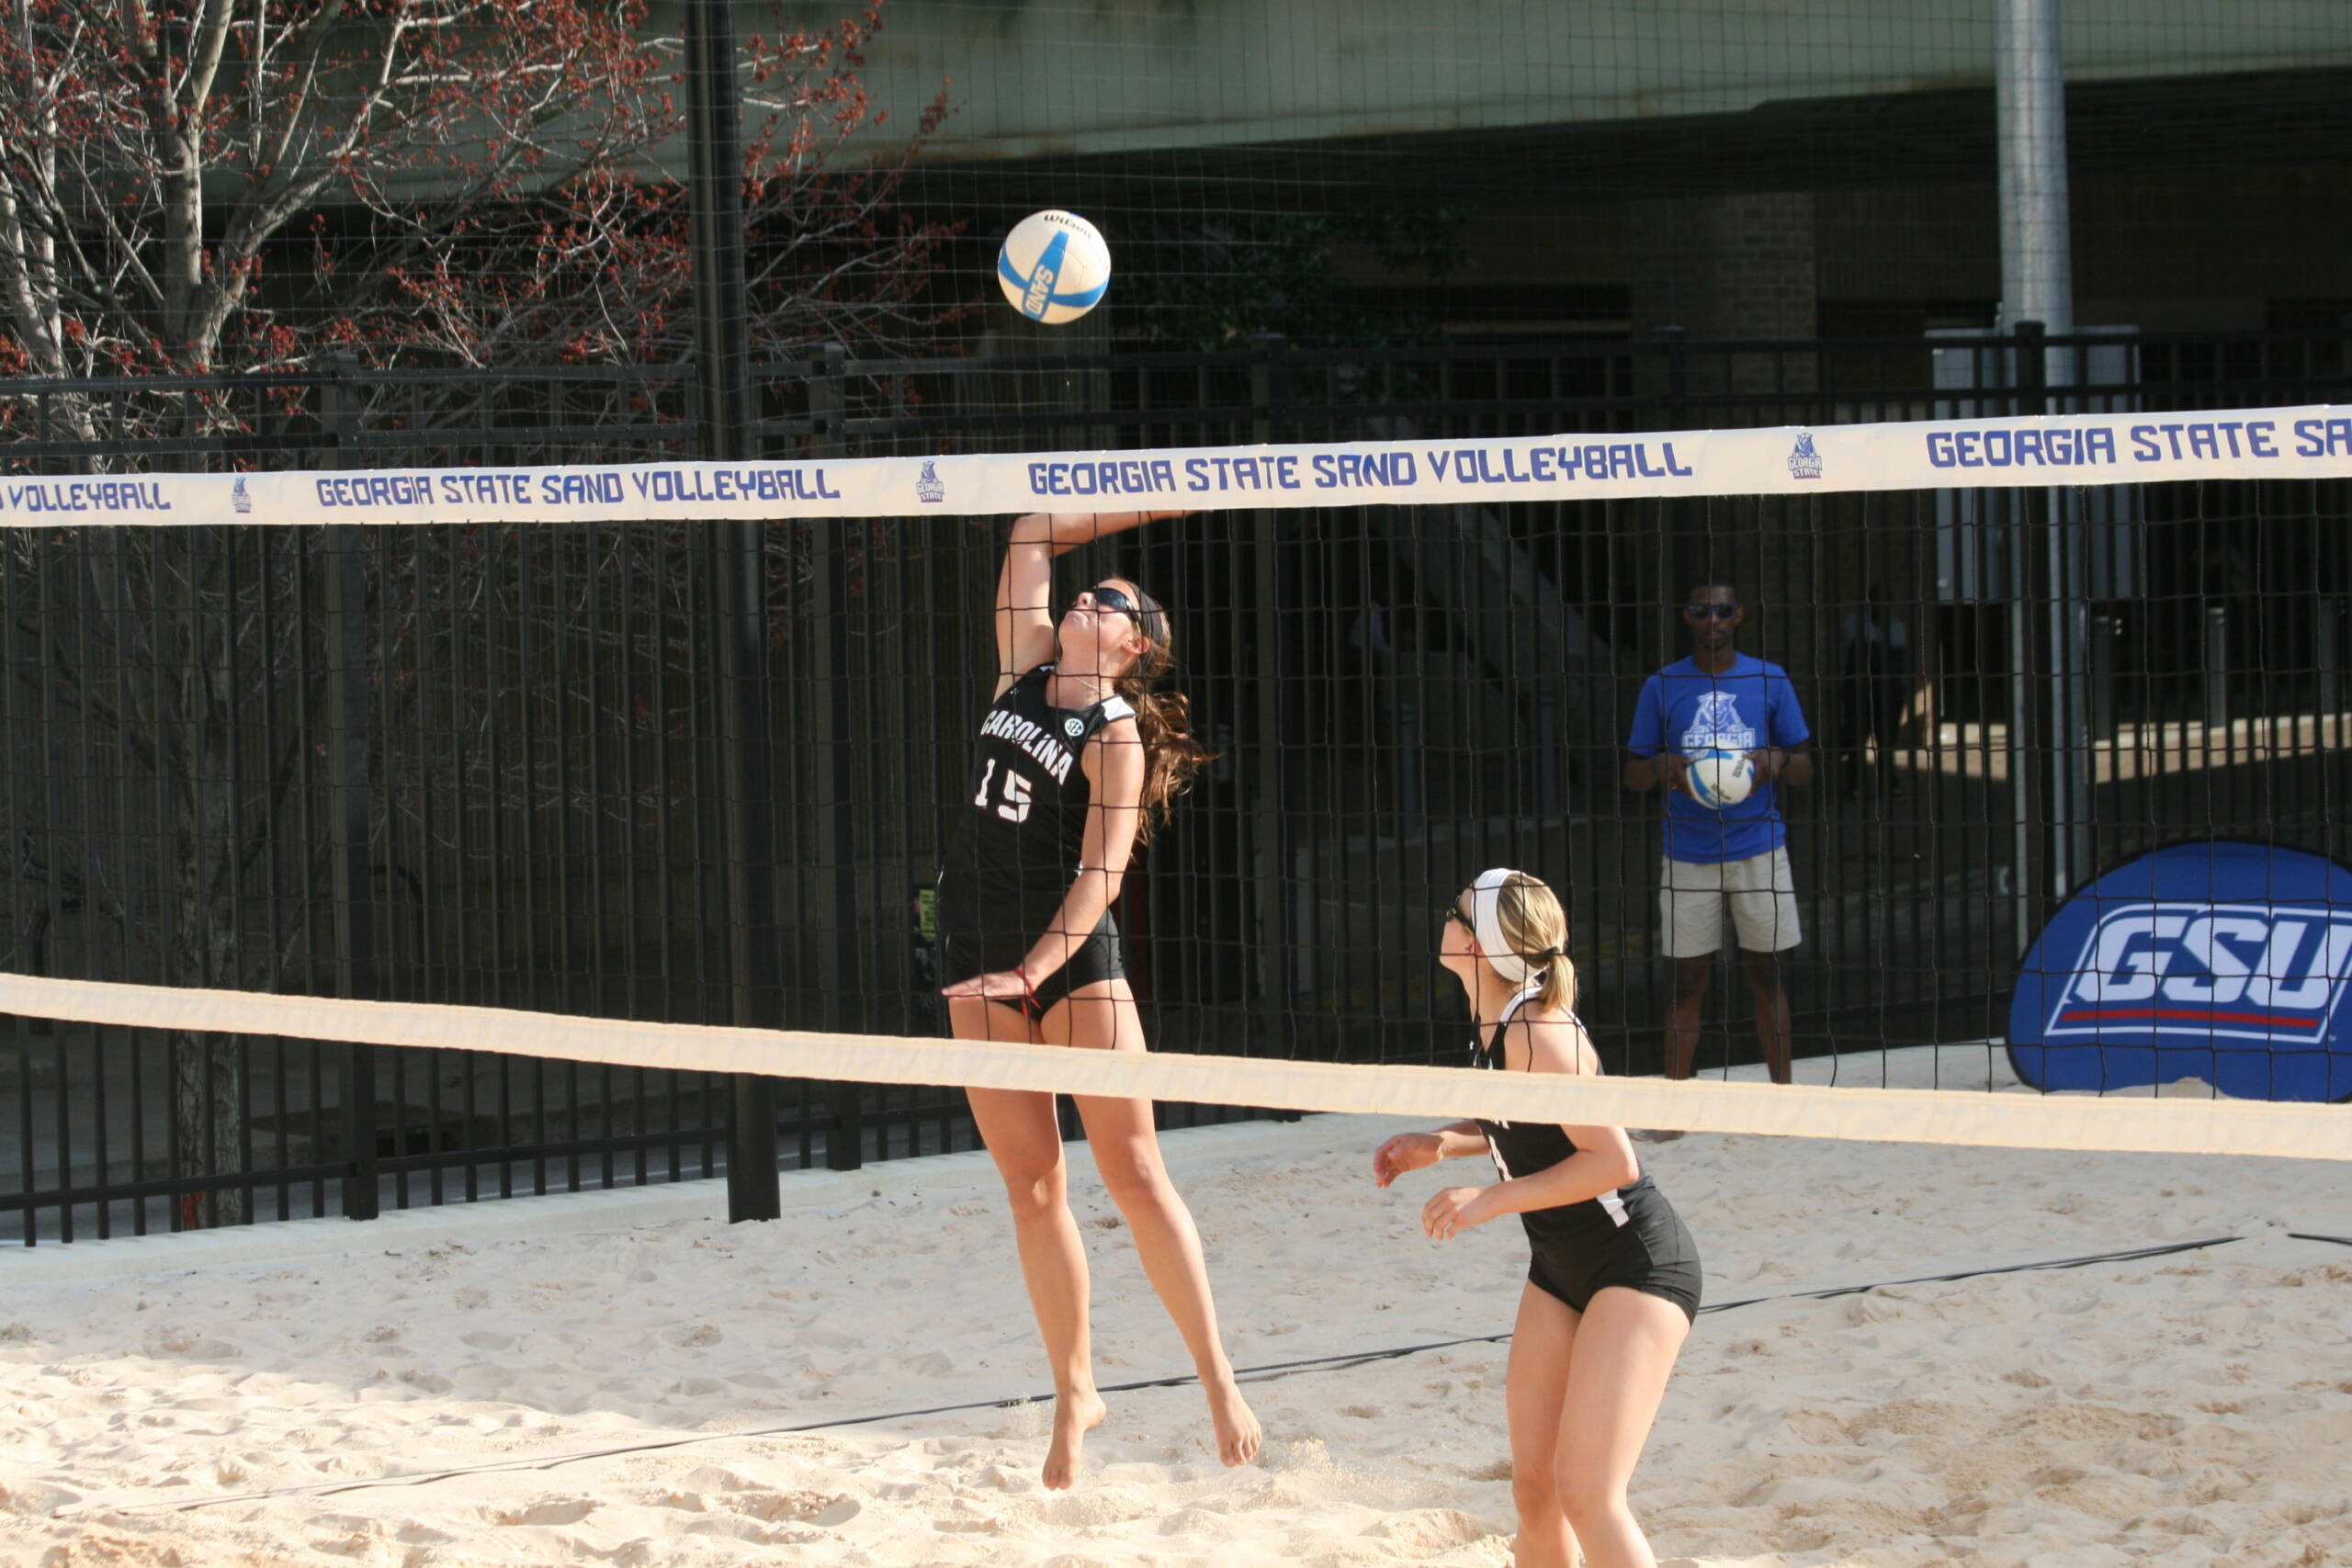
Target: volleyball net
(607, 791)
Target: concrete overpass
(1031, 79)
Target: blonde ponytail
(1559, 993)
(1536, 928)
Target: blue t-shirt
(1749, 706)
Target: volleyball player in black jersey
(1076, 759)
(1612, 1287)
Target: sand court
(2189, 1408)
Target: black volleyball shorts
(1657, 1258)
(969, 947)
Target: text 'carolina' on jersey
(1028, 801)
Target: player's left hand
(1453, 1210)
(1767, 761)
(1002, 986)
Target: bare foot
(1074, 1416)
(1238, 1435)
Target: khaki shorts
(1761, 892)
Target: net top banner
(2314, 442)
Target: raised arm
(1024, 588)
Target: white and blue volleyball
(1722, 779)
(1054, 266)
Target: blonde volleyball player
(1612, 1287)
(1076, 757)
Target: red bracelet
(1027, 990)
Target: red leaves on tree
(202, 185)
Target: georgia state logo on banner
(2227, 963)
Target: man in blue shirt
(1721, 699)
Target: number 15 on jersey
(1014, 807)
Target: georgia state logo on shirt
(1716, 726)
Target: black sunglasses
(1454, 912)
(1722, 612)
(1109, 598)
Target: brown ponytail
(1172, 754)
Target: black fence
(508, 766)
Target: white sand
(2188, 1410)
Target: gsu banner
(2055, 450)
(2229, 962)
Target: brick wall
(1731, 266)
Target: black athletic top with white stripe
(1523, 1148)
(1024, 826)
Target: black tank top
(1523, 1148)
(1023, 824)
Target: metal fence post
(1270, 863)
(355, 909)
(833, 769)
(2031, 696)
(722, 322)
(2105, 630)
(2324, 657)
(2217, 667)
(2066, 736)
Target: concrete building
(1737, 168)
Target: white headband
(1487, 918)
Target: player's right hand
(1406, 1151)
(1678, 770)
(1002, 986)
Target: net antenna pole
(722, 337)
